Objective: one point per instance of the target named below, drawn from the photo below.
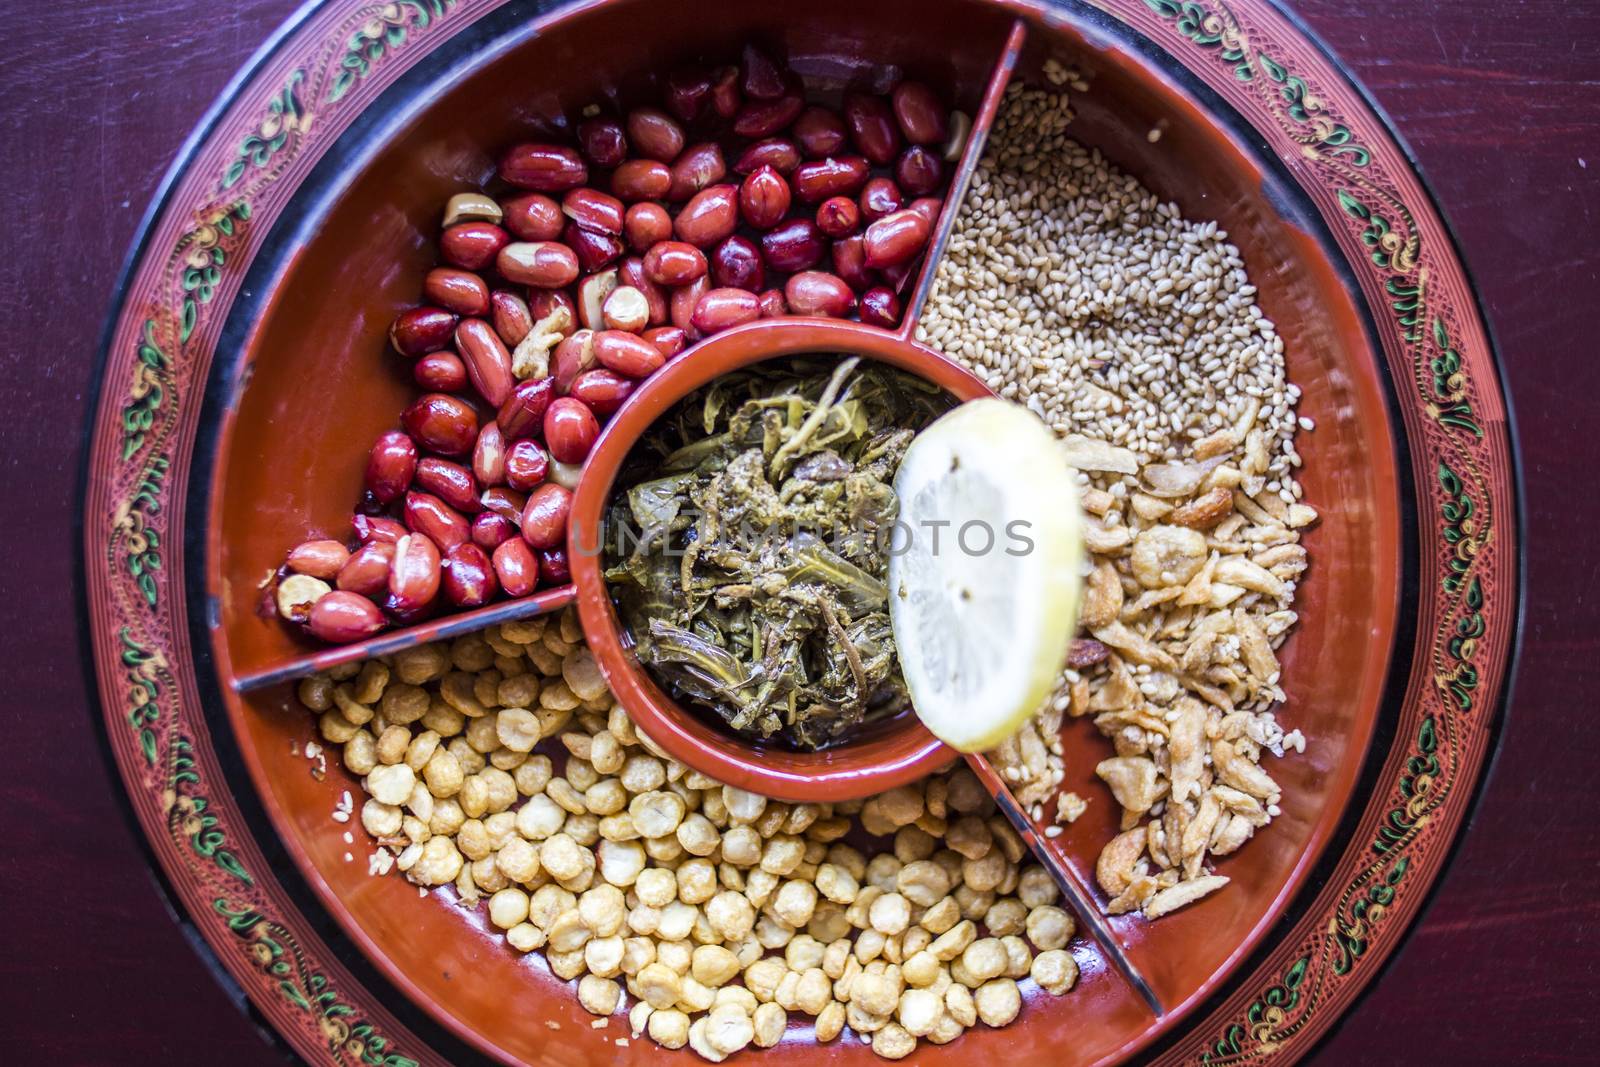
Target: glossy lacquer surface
(345, 246)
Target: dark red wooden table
(1500, 100)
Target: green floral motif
(274, 950)
(1450, 405)
(285, 116)
(1389, 249)
(190, 816)
(386, 29)
(1407, 304)
(141, 543)
(203, 260)
(1461, 534)
(144, 668)
(1352, 938)
(146, 393)
(1209, 29)
(1416, 787)
(1262, 1019)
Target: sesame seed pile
(1071, 288)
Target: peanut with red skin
(627, 309)
(722, 309)
(699, 167)
(459, 291)
(688, 90)
(572, 357)
(631, 273)
(764, 198)
(819, 179)
(918, 171)
(779, 153)
(668, 339)
(602, 142)
(376, 529)
(487, 360)
(627, 354)
(450, 482)
(820, 133)
(653, 134)
(646, 224)
(490, 531)
(391, 464)
(367, 570)
(772, 304)
(544, 520)
(763, 118)
(467, 578)
(542, 303)
(489, 455)
(516, 567)
(592, 293)
(444, 525)
(815, 292)
(595, 251)
(895, 239)
(526, 464)
(472, 245)
(570, 430)
(880, 197)
(414, 575)
(919, 114)
(522, 414)
(684, 300)
(418, 331)
(795, 245)
(511, 317)
(641, 179)
(440, 372)
(532, 217)
(838, 216)
(726, 98)
(872, 127)
(553, 566)
(593, 210)
(603, 390)
(318, 558)
(541, 264)
(736, 264)
(342, 617)
(674, 263)
(850, 263)
(506, 503)
(544, 168)
(709, 217)
(880, 307)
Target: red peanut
(472, 245)
(641, 179)
(721, 309)
(646, 224)
(488, 362)
(570, 430)
(795, 245)
(444, 525)
(511, 317)
(450, 482)
(342, 617)
(320, 559)
(674, 263)
(919, 114)
(763, 118)
(414, 575)
(468, 576)
(460, 291)
(440, 372)
(820, 132)
(490, 531)
(764, 198)
(814, 182)
(895, 239)
(669, 339)
(375, 529)
(602, 389)
(544, 168)
(572, 357)
(654, 134)
(880, 307)
(526, 464)
(533, 217)
(709, 217)
(736, 264)
(593, 210)
(522, 413)
(391, 465)
(367, 570)
(779, 153)
(544, 520)
(699, 167)
(489, 455)
(418, 331)
(602, 142)
(516, 567)
(872, 127)
(624, 353)
(814, 292)
(542, 264)
(838, 216)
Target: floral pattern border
(340, 57)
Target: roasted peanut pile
(500, 765)
(1134, 333)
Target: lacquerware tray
(297, 220)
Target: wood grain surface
(1499, 99)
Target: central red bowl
(885, 754)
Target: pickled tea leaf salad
(748, 550)
(984, 594)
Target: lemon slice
(985, 571)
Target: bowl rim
(841, 773)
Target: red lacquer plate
(300, 217)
